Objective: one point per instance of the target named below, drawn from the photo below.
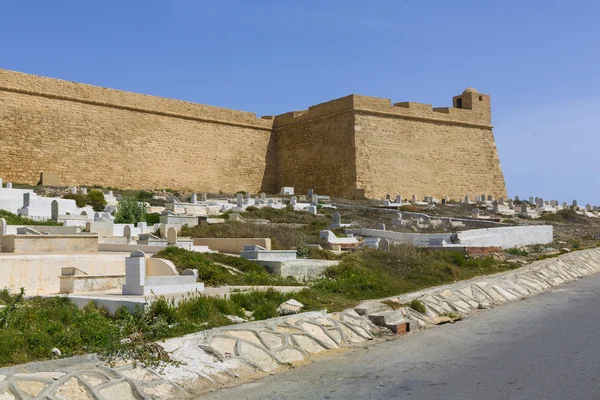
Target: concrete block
(403, 326)
(384, 318)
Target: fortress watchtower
(471, 99)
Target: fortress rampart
(352, 146)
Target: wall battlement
(90, 135)
(384, 107)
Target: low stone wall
(416, 239)
(40, 273)
(302, 269)
(49, 243)
(507, 237)
(51, 230)
(208, 358)
(231, 245)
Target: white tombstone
(310, 194)
(240, 200)
(564, 204)
(0, 183)
(83, 190)
(263, 198)
(54, 210)
(381, 226)
(247, 198)
(127, 232)
(501, 201)
(595, 209)
(2, 227)
(482, 197)
(414, 198)
(74, 190)
(293, 200)
(398, 199)
(143, 226)
(287, 191)
(314, 201)
(135, 270)
(9, 185)
(588, 207)
(467, 199)
(171, 236)
(203, 198)
(523, 207)
(336, 219)
(475, 213)
(574, 203)
(531, 200)
(256, 200)
(194, 199)
(553, 203)
(312, 210)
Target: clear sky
(538, 59)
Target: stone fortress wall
(352, 146)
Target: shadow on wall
(270, 178)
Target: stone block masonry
(353, 146)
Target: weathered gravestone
(336, 219)
(54, 210)
(384, 244)
(171, 236)
(127, 232)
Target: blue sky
(538, 59)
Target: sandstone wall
(316, 150)
(412, 149)
(91, 135)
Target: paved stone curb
(208, 359)
(483, 292)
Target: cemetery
(174, 263)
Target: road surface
(543, 347)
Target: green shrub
(130, 211)
(517, 252)
(95, 198)
(418, 306)
(13, 219)
(153, 218)
(80, 199)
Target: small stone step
(383, 318)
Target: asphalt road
(544, 347)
